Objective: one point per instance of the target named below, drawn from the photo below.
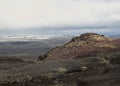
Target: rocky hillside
(87, 60)
(85, 45)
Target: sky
(59, 16)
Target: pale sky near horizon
(21, 14)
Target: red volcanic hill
(85, 45)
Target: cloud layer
(39, 13)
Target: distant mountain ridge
(29, 37)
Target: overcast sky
(25, 14)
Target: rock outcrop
(91, 39)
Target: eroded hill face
(85, 45)
(91, 39)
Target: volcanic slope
(85, 45)
(87, 60)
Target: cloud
(39, 13)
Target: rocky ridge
(82, 46)
(90, 39)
